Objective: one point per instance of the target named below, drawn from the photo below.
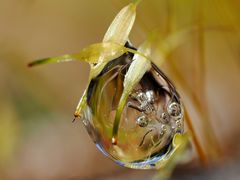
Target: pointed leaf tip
(64, 58)
(95, 53)
(121, 26)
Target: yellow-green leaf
(95, 53)
(63, 58)
(121, 26)
(137, 69)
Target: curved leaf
(121, 26)
(95, 53)
(137, 69)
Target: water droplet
(142, 121)
(174, 109)
(145, 101)
(142, 98)
(165, 118)
(150, 96)
(134, 147)
(178, 123)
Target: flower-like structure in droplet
(151, 117)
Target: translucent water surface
(152, 116)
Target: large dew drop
(152, 116)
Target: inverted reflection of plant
(220, 17)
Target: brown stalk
(197, 144)
(170, 25)
(210, 136)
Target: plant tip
(114, 141)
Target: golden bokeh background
(37, 138)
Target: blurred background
(38, 139)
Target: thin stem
(200, 151)
(197, 144)
(201, 60)
(120, 108)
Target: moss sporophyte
(130, 108)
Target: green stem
(120, 108)
(64, 58)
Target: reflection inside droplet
(142, 121)
(148, 122)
